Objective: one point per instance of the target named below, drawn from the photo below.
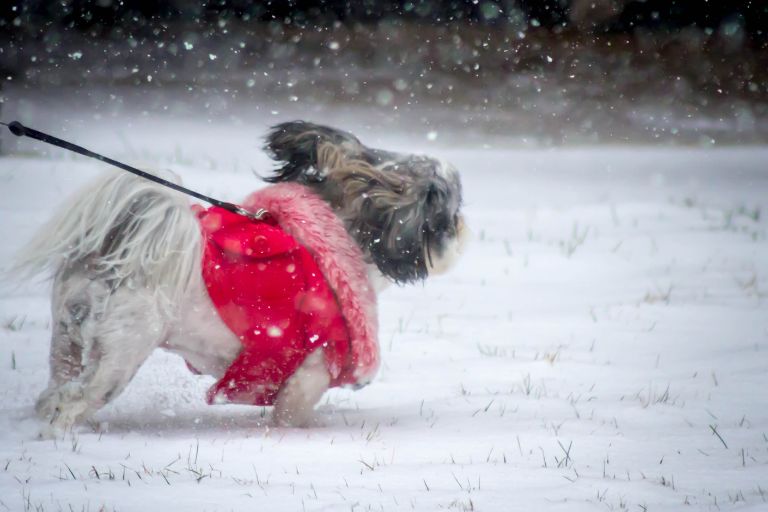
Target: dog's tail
(125, 229)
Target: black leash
(20, 130)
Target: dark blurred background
(104, 16)
(550, 71)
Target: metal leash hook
(20, 130)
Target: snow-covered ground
(603, 344)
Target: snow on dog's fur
(125, 254)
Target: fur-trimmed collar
(311, 221)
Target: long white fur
(160, 249)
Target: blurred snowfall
(603, 344)
(515, 73)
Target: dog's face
(403, 210)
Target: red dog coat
(286, 286)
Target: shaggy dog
(137, 268)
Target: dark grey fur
(401, 209)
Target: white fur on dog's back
(139, 232)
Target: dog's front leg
(297, 398)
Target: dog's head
(403, 210)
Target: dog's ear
(304, 150)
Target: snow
(602, 345)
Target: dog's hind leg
(77, 300)
(295, 403)
(100, 339)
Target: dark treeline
(103, 16)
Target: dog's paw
(48, 431)
(289, 419)
(47, 404)
(50, 401)
(59, 409)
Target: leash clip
(259, 214)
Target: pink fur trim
(310, 220)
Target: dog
(135, 268)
